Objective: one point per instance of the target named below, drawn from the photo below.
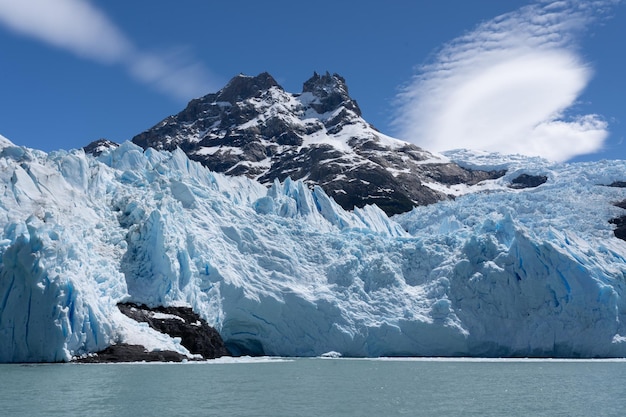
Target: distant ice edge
(285, 271)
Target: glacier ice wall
(286, 271)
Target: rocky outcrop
(242, 88)
(527, 181)
(619, 222)
(253, 127)
(195, 334)
(96, 147)
(331, 92)
(618, 184)
(123, 352)
(200, 339)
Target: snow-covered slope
(255, 128)
(286, 271)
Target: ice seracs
(286, 271)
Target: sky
(538, 77)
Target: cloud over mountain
(507, 86)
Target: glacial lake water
(318, 387)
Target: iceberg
(286, 271)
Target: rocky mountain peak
(243, 87)
(253, 127)
(331, 92)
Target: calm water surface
(317, 387)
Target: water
(317, 387)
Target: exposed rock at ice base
(195, 334)
(285, 271)
(123, 352)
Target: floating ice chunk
(331, 354)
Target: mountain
(533, 270)
(253, 127)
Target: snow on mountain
(286, 271)
(253, 127)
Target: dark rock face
(253, 127)
(332, 93)
(96, 147)
(528, 181)
(196, 335)
(620, 222)
(618, 184)
(620, 227)
(242, 88)
(131, 353)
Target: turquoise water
(317, 387)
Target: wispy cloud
(507, 85)
(82, 29)
(172, 72)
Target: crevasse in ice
(286, 271)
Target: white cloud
(74, 25)
(173, 73)
(506, 85)
(80, 28)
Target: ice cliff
(284, 270)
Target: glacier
(284, 270)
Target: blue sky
(539, 77)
